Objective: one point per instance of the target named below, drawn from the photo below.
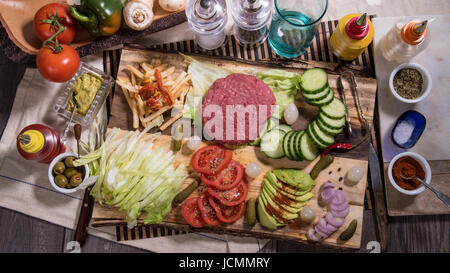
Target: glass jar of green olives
(64, 176)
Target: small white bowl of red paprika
(409, 164)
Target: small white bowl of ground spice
(410, 83)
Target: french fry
(146, 67)
(132, 104)
(161, 67)
(177, 89)
(171, 121)
(127, 86)
(136, 72)
(169, 71)
(157, 113)
(133, 79)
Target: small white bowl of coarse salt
(408, 129)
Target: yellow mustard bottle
(352, 36)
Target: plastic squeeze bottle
(39, 143)
(353, 34)
(404, 41)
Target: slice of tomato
(207, 212)
(227, 179)
(191, 212)
(227, 214)
(211, 159)
(231, 197)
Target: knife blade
(347, 127)
(379, 200)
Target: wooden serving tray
(121, 118)
(17, 18)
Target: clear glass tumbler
(294, 24)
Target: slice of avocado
(301, 198)
(296, 178)
(284, 213)
(291, 209)
(272, 211)
(272, 193)
(281, 186)
(265, 219)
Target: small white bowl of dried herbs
(410, 82)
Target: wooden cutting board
(17, 18)
(121, 118)
(432, 144)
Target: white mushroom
(171, 5)
(138, 14)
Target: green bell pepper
(99, 17)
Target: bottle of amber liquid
(352, 36)
(39, 143)
(404, 41)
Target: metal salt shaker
(207, 19)
(251, 18)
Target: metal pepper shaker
(207, 19)
(251, 18)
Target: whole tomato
(43, 28)
(58, 66)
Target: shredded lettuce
(284, 85)
(134, 176)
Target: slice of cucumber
(331, 123)
(286, 144)
(314, 80)
(314, 139)
(298, 149)
(283, 127)
(308, 148)
(293, 146)
(321, 135)
(326, 129)
(316, 96)
(291, 150)
(272, 144)
(334, 110)
(325, 101)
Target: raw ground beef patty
(243, 94)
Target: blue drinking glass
(294, 24)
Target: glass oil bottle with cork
(207, 19)
(405, 40)
(352, 36)
(251, 18)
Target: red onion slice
(328, 185)
(311, 236)
(341, 214)
(340, 207)
(328, 195)
(339, 198)
(334, 221)
(320, 232)
(325, 227)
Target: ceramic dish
(426, 87)
(52, 179)
(422, 161)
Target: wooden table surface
(22, 233)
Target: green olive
(61, 181)
(69, 172)
(76, 180)
(69, 161)
(59, 168)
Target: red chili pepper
(343, 146)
